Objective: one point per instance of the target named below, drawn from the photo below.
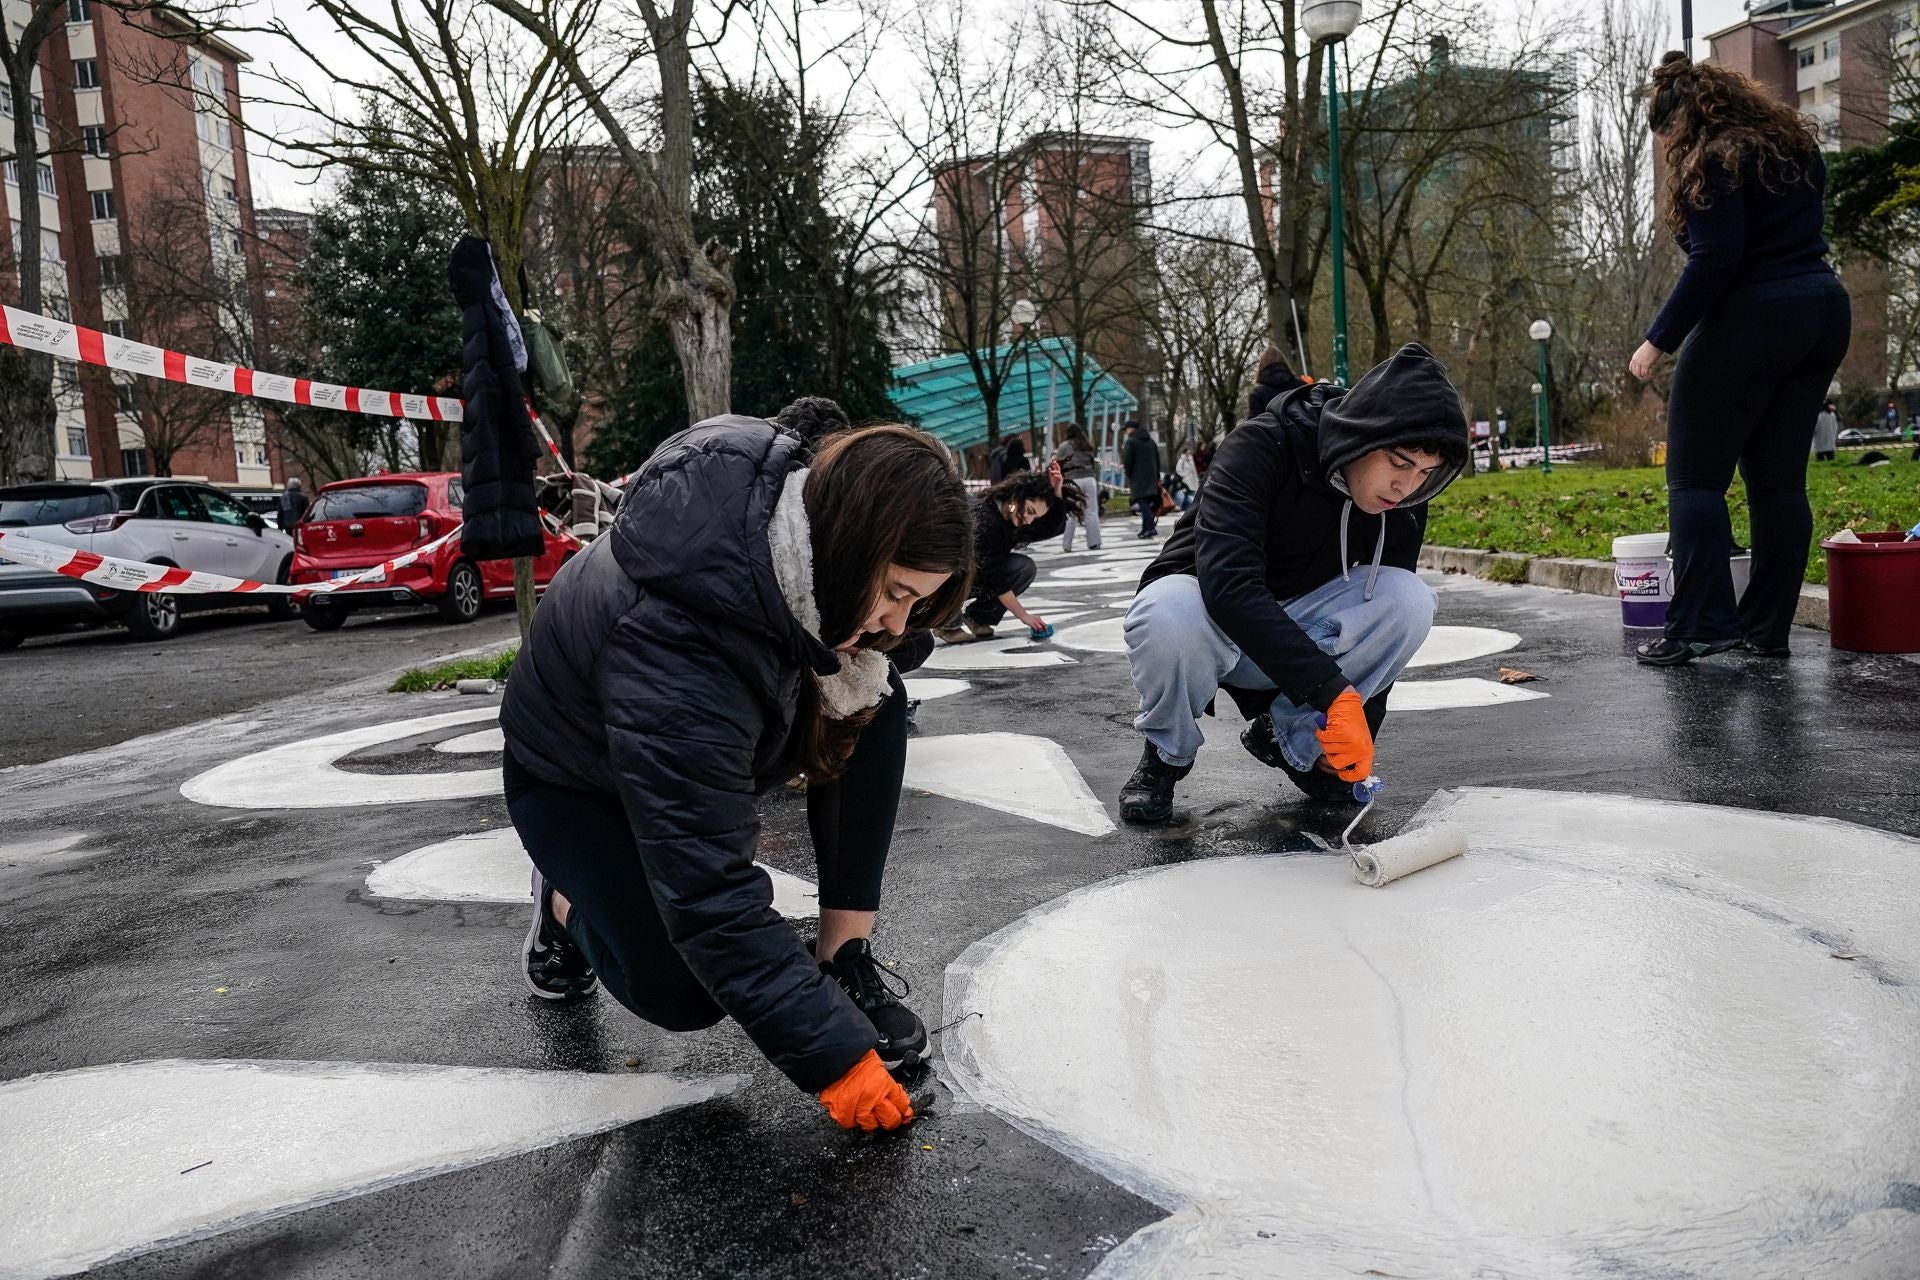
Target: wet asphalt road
(117, 950)
(72, 692)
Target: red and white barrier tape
(136, 575)
(70, 341)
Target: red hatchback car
(356, 524)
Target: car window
(171, 502)
(368, 502)
(220, 508)
(456, 494)
(24, 507)
(129, 495)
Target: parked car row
(351, 525)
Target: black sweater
(1748, 233)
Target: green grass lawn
(1578, 510)
(447, 674)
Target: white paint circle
(475, 743)
(1109, 571)
(1456, 695)
(1103, 636)
(927, 688)
(1000, 654)
(1461, 644)
(1617, 1037)
(304, 775)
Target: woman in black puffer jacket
(732, 630)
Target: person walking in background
(293, 504)
(1189, 472)
(1140, 459)
(1766, 323)
(1203, 458)
(1826, 433)
(1080, 467)
(1271, 377)
(1021, 509)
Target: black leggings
(583, 844)
(987, 609)
(1748, 385)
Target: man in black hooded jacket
(1290, 581)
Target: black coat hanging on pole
(498, 448)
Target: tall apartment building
(147, 184)
(1061, 217)
(1838, 63)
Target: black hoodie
(1273, 521)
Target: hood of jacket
(1405, 400)
(695, 527)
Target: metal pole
(1546, 431)
(1053, 417)
(1026, 368)
(1338, 215)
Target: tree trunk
(26, 385)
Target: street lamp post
(1540, 331)
(1024, 314)
(1331, 22)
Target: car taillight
(299, 537)
(426, 529)
(98, 524)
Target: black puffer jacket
(995, 538)
(1267, 524)
(665, 667)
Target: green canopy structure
(941, 398)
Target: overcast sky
(277, 183)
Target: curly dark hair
(1023, 485)
(1711, 117)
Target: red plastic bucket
(1873, 593)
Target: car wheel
(464, 593)
(279, 607)
(321, 618)
(153, 615)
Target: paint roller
(1402, 855)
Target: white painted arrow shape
(475, 743)
(994, 655)
(1027, 776)
(1453, 695)
(1103, 636)
(927, 688)
(109, 1161)
(1461, 644)
(492, 866)
(304, 775)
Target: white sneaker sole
(531, 946)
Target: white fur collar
(861, 681)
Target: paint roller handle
(1368, 790)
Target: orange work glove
(1346, 739)
(867, 1097)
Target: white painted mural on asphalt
(1618, 1037)
(306, 775)
(1016, 773)
(109, 1161)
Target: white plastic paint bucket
(1645, 578)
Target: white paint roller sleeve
(1407, 853)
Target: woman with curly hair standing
(1765, 324)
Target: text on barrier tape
(137, 575)
(71, 341)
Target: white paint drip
(1103, 636)
(492, 866)
(1460, 644)
(1452, 695)
(303, 775)
(927, 688)
(994, 655)
(1619, 1036)
(109, 1161)
(1016, 773)
(475, 743)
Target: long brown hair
(879, 496)
(1024, 485)
(1713, 118)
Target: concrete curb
(1588, 577)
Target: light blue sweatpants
(1180, 658)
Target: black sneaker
(555, 968)
(903, 1037)
(1259, 741)
(1676, 653)
(1148, 795)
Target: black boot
(1148, 795)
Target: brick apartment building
(1837, 63)
(1067, 209)
(149, 232)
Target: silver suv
(159, 521)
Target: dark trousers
(1748, 385)
(1149, 509)
(583, 844)
(987, 609)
